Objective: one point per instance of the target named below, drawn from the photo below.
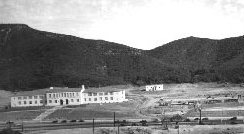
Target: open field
(4, 98)
(146, 105)
(184, 129)
(19, 115)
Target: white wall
(154, 87)
(101, 97)
(54, 99)
(26, 101)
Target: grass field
(4, 98)
(104, 111)
(19, 115)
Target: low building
(103, 95)
(28, 98)
(157, 87)
(55, 96)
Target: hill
(205, 59)
(32, 59)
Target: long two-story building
(55, 96)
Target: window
(19, 98)
(19, 102)
(85, 99)
(106, 98)
(89, 94)
(73, 94)
(41, 97)
(56, 101)
(111, 98)
(35, 102)
(30, 102)
(64, 94)
(53, 95)
(24, 102)
(89, 99)
(25, 97)
(35, 97)
(94, 94)
(30, 97)
(78, 100)
(50, 101)
(106, 93)
(95, 99)
(41, 101)
(67, 94)
(50, 95)
(72, 100)
(111, 93)
(101, 98)
(100, 94)
(70, 94)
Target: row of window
(100, 98)
(29, 102)
(29, 97)
(100, 94)
(56, 101)
(57, 95)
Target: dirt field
(145, 105)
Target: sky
(143, 24)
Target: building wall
(104, 97)
(63, 98)
(68, 98)
(26, 101)
(154, 87)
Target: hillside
(206, 59)
(32, 59)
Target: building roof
(103, 89)
(63, 89)
(31, 93)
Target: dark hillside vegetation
(32, 59)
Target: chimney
(51, 87)
(83, 87)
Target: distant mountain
(205, 59)
(32, 59)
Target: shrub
(233, 118)
(81, 120)
(196, 119)
(55, 121)
(205, 119)
(63, 121)
(73, 121)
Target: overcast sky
(143, 24)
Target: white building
(68, 96)
(157, 87)
(28, 98)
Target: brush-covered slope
(205, 59)
(32, 59)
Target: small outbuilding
(157, 87)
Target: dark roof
(103, 89)
(64, 89)
(31, 93)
